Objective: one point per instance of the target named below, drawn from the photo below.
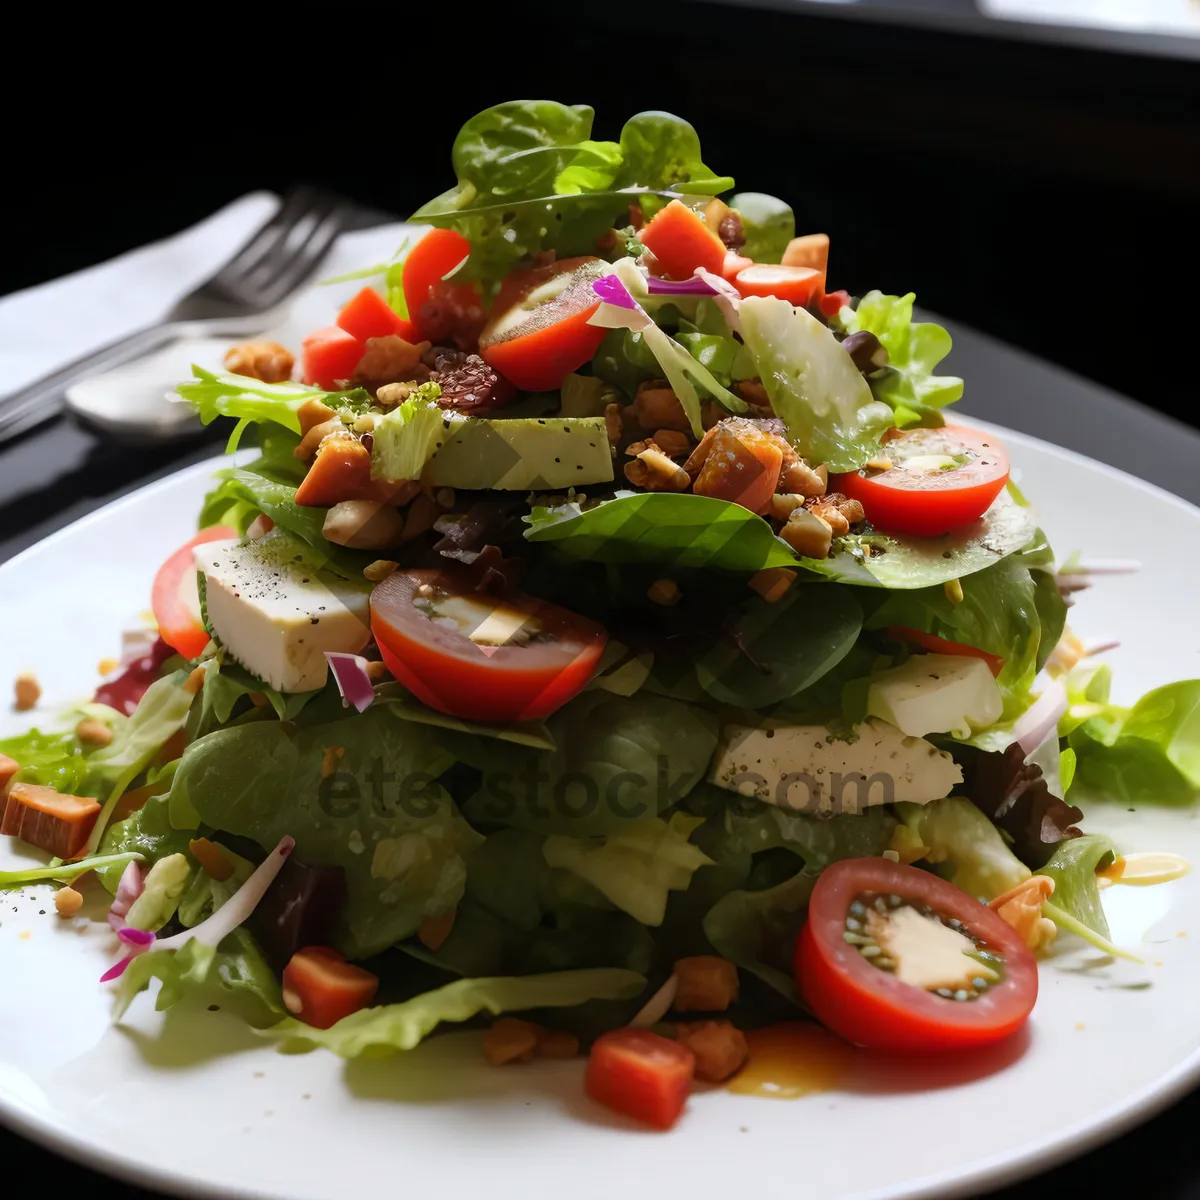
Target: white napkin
(45, 326)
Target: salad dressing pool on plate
(790, 1060)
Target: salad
(609, 642)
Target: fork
(273, 262)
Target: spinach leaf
(676, 529)
(359, 793)
(772, 651)
(661, 151)
(617, 760)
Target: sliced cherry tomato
(941, 645)
(175, 598)
(330, 357)
(320, 987)
(465, 653)
(797, 285)
(368, 315)
(538, 331)
(876, 1008)
(681, 241)
(735, 262)
(641, 1074)
(832, 303)
(429, 295)
(941, 479)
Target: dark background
(1044, 192)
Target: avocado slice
(521, 454)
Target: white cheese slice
(806, 769)
(276, 612)
(937, 693)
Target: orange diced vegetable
(742, 466)
(640, 1074)
(320, 987)
(212, 858)
(720, 1048)
(341, 471)
(49, 820)
(8, 768)
(706, 984)
(735, 263)
(681, 241)
(811, 250)
(433, 931)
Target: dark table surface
(61, 472)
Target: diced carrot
(368, 315)
(330, 357)
(49, 820)
(320, 987)
(735, 263)
(797, 285)
(680, 240)
(707, 983)
(8, 768)
(433, 931)
(212, 858)
(720, 1048)
(743, 465)
(811, 250)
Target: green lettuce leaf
(1073, 868)
(617, 760)
(675, 529)
(408, 436)
(635, 867)
(378, 814)
(964, 845)
(768, 223)
(774, 651)
(1147, 755)
(378, 1032)
(757, 929)
(226, 683)
(907, 383)
(57, 760)
(147, 833)
(233, 976)
(65, 872)
(224, 395)
(822, 398)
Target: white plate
(192, 1102)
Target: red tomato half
(538, 331)
(641, 1074)
(942, 478)
(175, 598)
(941, 645)
(468, 654)
(431, 298)
(872, 1007)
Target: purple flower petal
(115, 972)
(135, 937)
(612, 291)
(696, 286)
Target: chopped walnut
(711, 414)
(799, 477)
(807, 534)
(706, 984)
(391, 394)
(260, 359)
(389, 359)
(672, 443)
(614, 424)
(837, 511)
(26, 692)
(655, 472)
(657, 407)
(720, 1048)
(783, 504)
(1021, 907)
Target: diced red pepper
(368, 315)
(831, 302)
(320, 987)
(330, 357)
(641, 1074)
